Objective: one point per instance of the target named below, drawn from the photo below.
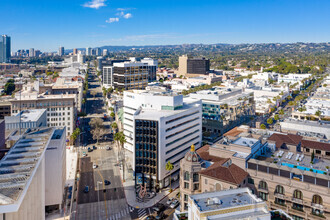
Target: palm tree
(121, 140)
(169, 166)
(114, 127)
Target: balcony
(275, 205)
(298, 201)
(298, 212)
(278, 195)
(317, 206)
(315, 216)
(263, 190)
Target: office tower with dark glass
(5, 49)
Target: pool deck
(319, 164)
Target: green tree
(112, 114)
(312, 157)
(75, 134)
(119, 137)
(318, 113)
(263, 126)
(169, 167)
(276, 117)
(281, 112)
(114, 127)
(270, 121)
(9, 87)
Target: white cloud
(128, 15)
(125, 9)
(111, 20)
(96, 4)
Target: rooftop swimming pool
(302, 168)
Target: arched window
(263, 185)
(186, 175)
(279, 189)
(195, 177)
(297, 194)
(317, 200)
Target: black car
(94, 148)
(160, 215)
(107, 182)
(90, 149)
(159, 207)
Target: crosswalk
(142, 213)
(86, 148)
(119, 215)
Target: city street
(101, 201)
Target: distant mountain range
(252, 48)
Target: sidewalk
(129, 189)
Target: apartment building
(160, 127)
(282, 171)
(224, 109)
(132, 74)
(28, 188)
(61, 109)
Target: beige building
(282, 171)
(61, 109)
(200, 172)
(190, 67)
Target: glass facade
(146, 149)
(5, 49)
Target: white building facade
(160, 127)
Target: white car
(174, 204)
(94, 166)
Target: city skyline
(103, 22)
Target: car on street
(160, 215)
(86, 190)
(84, 154)
(174, 204)
(90, 149)
(107, 182)
(94, 148)
(108, 147)
(94, 166)
(159, 207)
(150, 217)
(169, 201)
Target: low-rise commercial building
(227, 205)
(224, 109)
(32, 118)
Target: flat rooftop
(225, 199)
(31, 115)
(187, 104)
(244, 141)
(19, 165)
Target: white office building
(160, 127)
(88, 51)
(32, 175)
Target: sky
(49, 24)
